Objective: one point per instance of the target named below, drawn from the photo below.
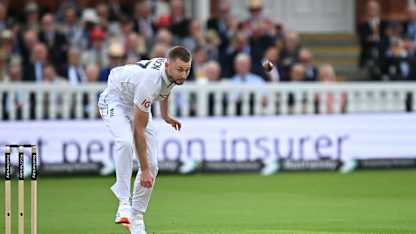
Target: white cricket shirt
(139, 84)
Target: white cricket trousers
(119, 120)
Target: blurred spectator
(410, 25)
(143, 23)
(126, 27)
(98, 53)
(179, 23)
(212, 42)
(74, 71)
(112, 29)
(212, 71)
(196, 37)
(117, 55)
(135, 48)
(116, 10)
(33, 71)
(92, 73)
(6, 43)
(3, 65)
(50, 75)
(31, 16)
(72, 28)
(220, 24)
(371, 34)
(54, 40)
(26, 45)
(159, 51)
(89, 22)
(238, 45)
(256, 21)
(4, 21)
(398, 61)
(289, 53)
(306, 59)
(297, 72)
(327, 76)
(199, 58)
(242, 66)
(164, 36)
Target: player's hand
(174, 123)
(146, 179)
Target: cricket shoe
(123, 214)
(137, 225)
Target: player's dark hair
(179, 52)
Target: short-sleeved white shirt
(139, 84)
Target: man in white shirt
(125, 108)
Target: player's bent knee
(124, 144)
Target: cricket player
(125, 108)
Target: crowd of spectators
(388, 47)
(82, 43)
(77, 44)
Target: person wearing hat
(32, 17)
(116, 54)
(257, 20)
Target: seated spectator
(112, 29)
(289, 53)
(371, 33)
(4, 20)
(92, 73)
(198, 61)
(196, 37)
(242, 65)
(306, 59)
(71, 27)
(398, 61)
(212, 72)
(164, 36)
(159, 51)
(297, 72)
(34, 70)
(257, 19)
(117, 57)
(179, 22)
(143, 22)
(327, 76)
(221, 24)
(98, 53)
(135, 48)
(74, 70)
(239, 44)
(55, 41)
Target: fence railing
(23, 101)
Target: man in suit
(55, 41)
(371, 33)
(33, 71)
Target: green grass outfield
(361, 202)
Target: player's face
(178, 71)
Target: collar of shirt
(165, 76)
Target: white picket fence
(192, 99)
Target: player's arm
(164, 104)
(140, 122)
